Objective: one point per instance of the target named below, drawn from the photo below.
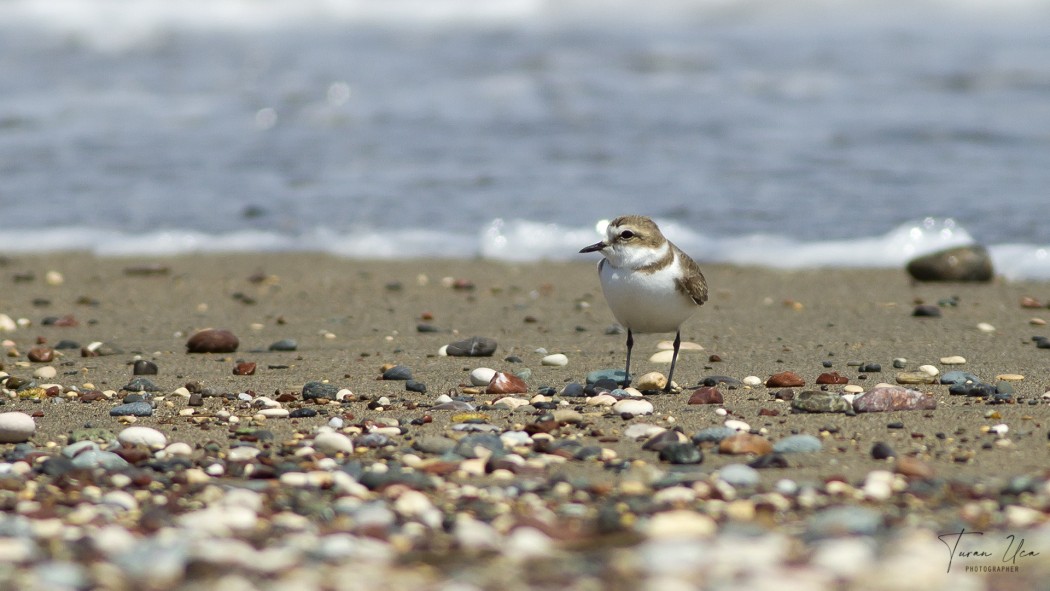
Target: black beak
(594, 247)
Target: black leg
(674, 359)
(627, 368)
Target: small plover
(648, 282)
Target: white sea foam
(530, 241)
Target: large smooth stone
(964, 263)
(16, 427)
(211, 340)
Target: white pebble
(7, 324)
(443, 351)
(555, 360)
(482, 376)
(16, 427)
(1000, 429)
(642, 430)
(54, 278)
(680, 524)
(601, 400)
(985, 327)
(953, 360)
(852, 389)
(879, 485)
(243, 453)
(738, 425)
(179, 448)
(147, 436)
(511, 402)
(752, 381)
(929, 370)
(633, 406)
(332, 442)
(683, 346)
(661, 357)
(721, 412)
(274, 413)
(45, 373)
(336, 422)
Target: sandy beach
(349, 319)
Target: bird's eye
(627, 234)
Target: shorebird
(648, 282)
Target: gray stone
(472, 347)
(964, 263)
(316, 390)
(135, 409)
(814, 401)
(798, 444)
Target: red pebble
(244, 368)
(785, 379)
(212, 340)
(832, 377)
(706, 395)
(41, 354)
(506, 383)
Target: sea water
(856, 133)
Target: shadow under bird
(648, 282)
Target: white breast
(646, 302)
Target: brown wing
(693, 285)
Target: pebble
(706, 395)
(47, 372)
(601, 400)
(510, 402)
(985, 327)
(840, 521)
(146, 436)
(615, 375)
(892, 398)
(144, 367)
(434, 444)
(506, 383)
(244, 368)
(416, 386)
(481, 376)
(319, 390)
(915, 377)
(926, 311)
(398, 373)
(745, 443)
(16, 427)
(832, 377)
(661, 357)
(41, 354)
(472, 347)
(752, 381)
(959, 377)
(653, 380)
(679, 524)
(801, 443)
(140, 384)
(882, 450)
(819, 401)
(785, 379)
(94, 458)
(134, 409)
(737, 425)
(681, 453)
(913, 468)
(638, 431)
(963, 263)
(284, 345)
(212, 340)
(739, 475)
(332, 442)
(1010, 377)
(713, 434)
(633, 406)
(555, 360)
(953, 360)
(275, 413)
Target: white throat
(635, 256)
